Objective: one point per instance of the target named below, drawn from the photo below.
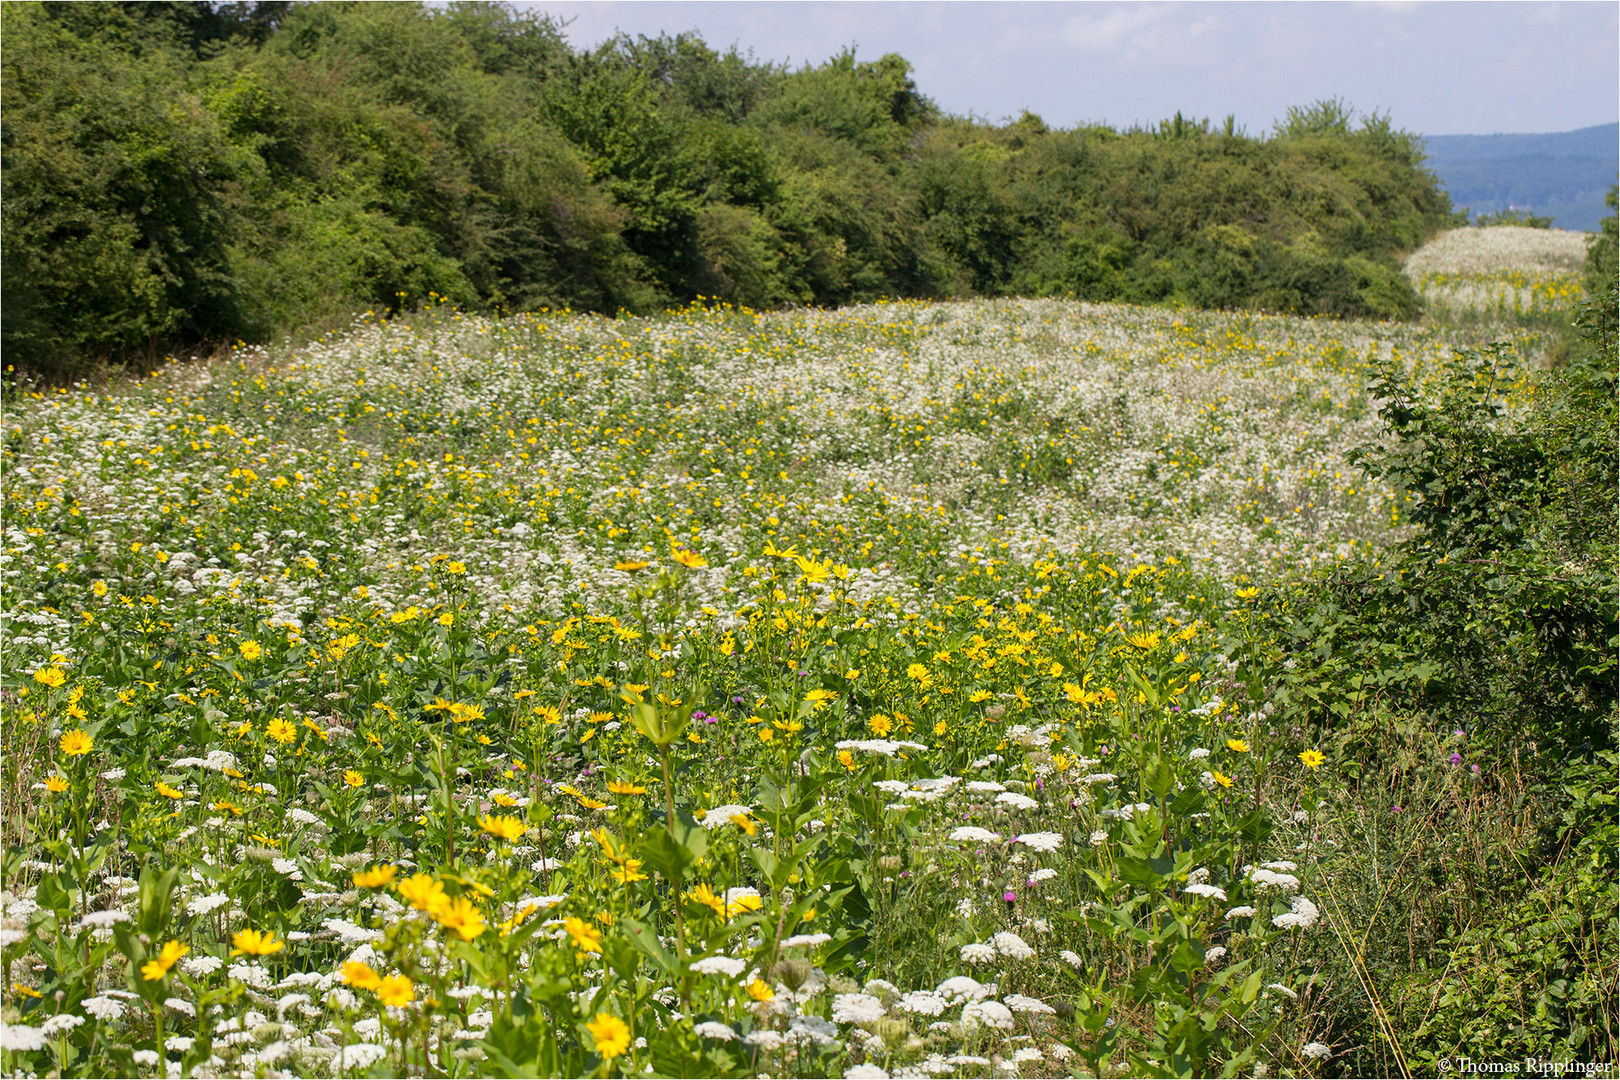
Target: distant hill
(1562, 175)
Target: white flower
(1198, 754)
(978, 954)
(719, 965)
(856, 1009)
(989, 1013)
(1243, 912)
(1099, 838)
(922, 1002)
(1303, 916)
(1072, 959)
(1198, 876)
(983, 787)
(1266, 879)
(1027, 1054)
(713, 1029)
(1016, 801)
(893, 787)
(179, 1043)
(104, 1008)
(961, 988)
(1041, 841)
(722, 815)
(1099, 778)
(865, 1072)
(1215, 955)
(358, 1056)
(1317, 1050)
(146, 1058)
(1012, 946)
(960, 1060)
(1283, 990)
(974, 835)
(1021, 1003)
(1205, 890)
(60, 1024)
(202, 905)
(805, 941)
(1045, 873)
(11, 936)
(764, 1038)
(104, 919)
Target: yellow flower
(629, 870)
(158, 967)
(375, 878)
(766, 735)
(253, 943)
(360, 976)
(50, 676)
(847, 760)
(352, 778)
(1248, 594)
(55, 785)
(745, 823)
(396, 990)
(281, 731)
(422, 893)
(1312, 758)
(705, 896)
(1221, 779)
(99, 588)
(251, 650)
(168, 792)
(630, 566)
(918, 672)
(879, 724)
(586, 937)
(462, 916)
(1237, 744)
(454, 567)
(980, 695)
(759, 991)
(1143, 641)
(612, 1035)
(26, 991)
(501, 798)
(228, 807)
(506, 828)
(623, 787)
(744, 902)
(689, 559)
(447, 619)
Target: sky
(1437, 68)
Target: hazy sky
(1437, 68)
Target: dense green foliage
(1496, 622)
(186, 173)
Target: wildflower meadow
(861, 692)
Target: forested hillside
(183, 174)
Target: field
(860, 692)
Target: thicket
(188, 173)
(1472, 675)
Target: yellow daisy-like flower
(759, 991)
(75, 743)
(586, 937)
(352, 778)
(706, 896)
(630, 566)
(158, 967)
(447, 619)
(52, 677)
(628, 871)
(99, 588)
(55, 785)
(611, 1034)
(375, 878)
(462, 916)
(1143, 641)
(1237, 744)
(745, 823)
(847, 760)
(454, 567)
(361, 976)
(395, 991)
(1312, 759)
(168, 792)
(689, 559)
(281, 731)
(879, 724)
(501, 798)
(253, 943)
(1221, 779)
(422, 892)
(504, 828)
(250, 650)
(624, 787)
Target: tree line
(183, 174)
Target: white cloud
(1107, 33)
